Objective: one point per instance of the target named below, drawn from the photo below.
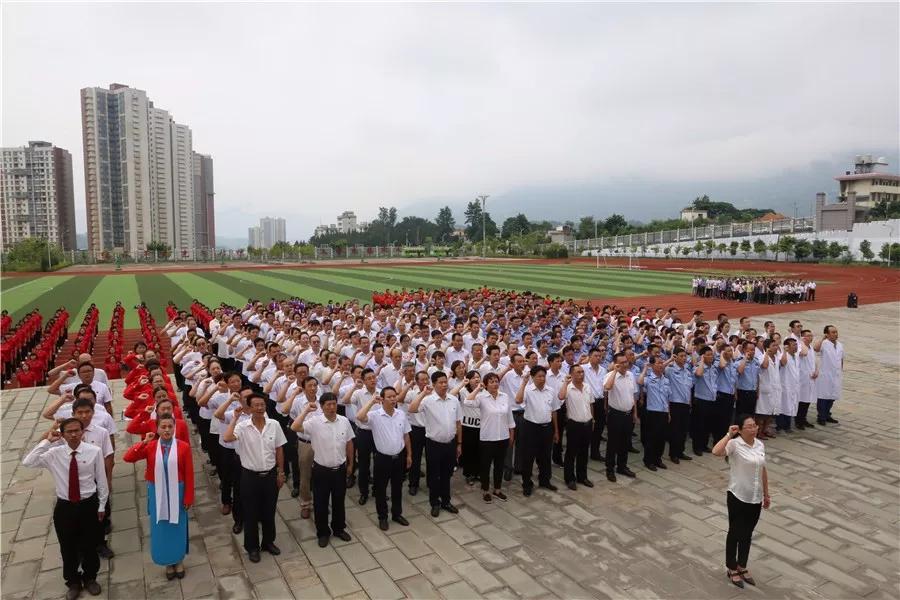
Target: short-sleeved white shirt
(257, 448)
(540, 403)
(441, 416)
(746, 463)
(496, 415)
(388, 431)
(329, 440)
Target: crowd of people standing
(323, 398)
(758, 290)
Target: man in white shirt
(332, 441)
(579, 400)
(393, 453)
(621, 416)
(540, 428)
(443, 443)
(594, 374)
(258, 443)
(510, 381)
(456, 352)
(357, 397)
(81, 492)
(830, 382)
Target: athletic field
(77, 291)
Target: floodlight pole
(483, 198)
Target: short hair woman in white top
(748, 492)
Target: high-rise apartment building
(139, 172)
(254, 237)
(204, 202)
(273, 231)
(36, 195)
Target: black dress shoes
(272, 549)
(626, 472)
(401, 520)
(450, 508)
(342, 535)
(253, 555)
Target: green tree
(686, 250)
(865, 248)
(586, 228)
(31, 254)
(885, 209)
(802, 249)
(759, 246)
(733, 248)
(721, 248)
(517, 225)
(474, 224)
(615, 224)
(160, 249)
(835, 250)
(746, 247)
(819, 249)
(709, 245)
(667, 250)
(445, 224)
(890, 252)
(786, 244)
(698, 248)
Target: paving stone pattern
(832, 531)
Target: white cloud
(312, 109)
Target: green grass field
(77, 292)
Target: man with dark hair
(357, 397)
(443, 439)
(540, 427)
(621, 412)
(81, 491)
(258, 443)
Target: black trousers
(365, 446)
(78, 530)
(678, 428)
(702, 423)
(599, 426)
(802, 411)
(578, 436)
(656, 430)
(441, 457)
(561, 419)
(619, 425)
(746, 402)
(469, 459)
(230, 477)
(742, 519)
(259, 496)
(724, 414)
(417, 445)
(515, 456)
(492, 455)
(391, 469)
(537, 446)
(291, 458)
(329, 486)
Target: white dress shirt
(96, 436)
(388, 431)
(746, 463)
(56, 459)
(510, 385)
(579, 402)
(621, 396)
(389, 376)
(257, 448)
(101, 418)
(358, 399)
(540, 403)
(496, 415)
(441, 416)
(329, 440)
(99, 375)
(594, 379)
(100, 389)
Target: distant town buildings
(561, 234)
(346, 222)
(269, 232)
(859, 192)
(690, 214)
(36, 195)
(140, 175)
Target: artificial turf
(337, 283)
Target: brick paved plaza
(832, 531)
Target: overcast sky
(309, 110)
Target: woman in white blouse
(497, 431)
(748, 492)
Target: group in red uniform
(28, 350)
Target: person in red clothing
(145, 422)
(112, 367)
(170, 493)
(25, 377)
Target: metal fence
(690, 234)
